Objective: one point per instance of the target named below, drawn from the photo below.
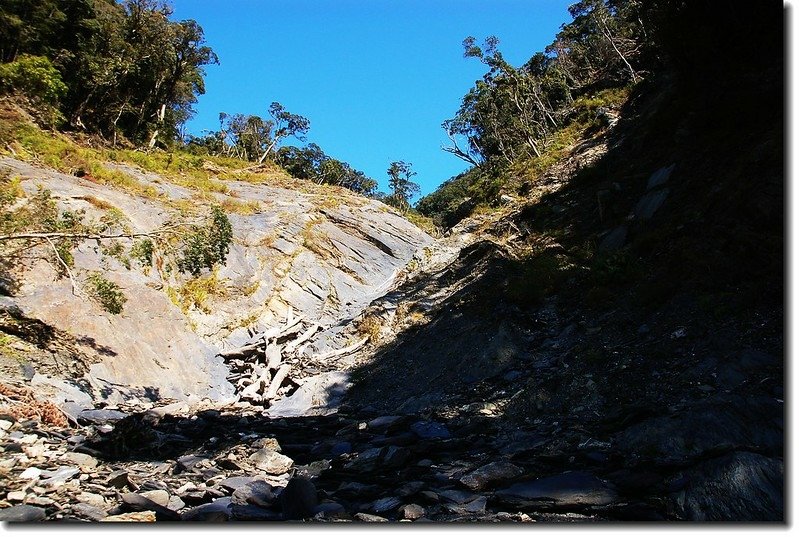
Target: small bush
(106, 293)
(142, 251)
(207, 246)
(35, 77)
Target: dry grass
(22, 405)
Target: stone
(383, 422)
(31, 473)
(137, 502)
(270, 443)
(16, 495)
(22, 513)
(660, 177)
(567, 489)
(366, 517)
(271, 461)
(329, 509)
(457, 496)
(395, 457)
(298, 500)
(254, 513)
(101, 416)
(410, 488)
(614, 239)
(256, 493)
(650, 203)
(40, 501)
(412, 511)
(186, 463)
(82, 460)
(340, 448)
(92, 512)
(232, 483)
(430, 430)
(384, 505)
(141, 516)
(119, 479)
(209, 512)
(490, 473)
(59, 477)
(740, 486)
(91, 498)
(476, 506)
(318, 396)
(161, 497)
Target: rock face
(323, 254)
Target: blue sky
(376, 78)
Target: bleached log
(244, 350)
(346, 350)
(277, 381)
(291, 347)
(272, 357)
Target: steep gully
(470, 402)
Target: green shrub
(142, 251)
(208, 245)
(35, 77)
(106, 293)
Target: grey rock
(383, 422)
(329, 509)
(739, 487)
(59, 476)
(410, 488)
(475, 507)
(256, 493)
(412, 511)
(22, 513)
(430, 430)
(120, 479)
(209, 512)
(136, 502)
(92, 512)
(84, 461)
(384, 505)
(660, 177)
(101, 416)
(254, 513)
(457, 496)
(567, 489)
(650, 203)
(271, 461)
(395, 457)
(366, 517)
(235, 482)
(490, 473)
(340, 448)
(298, 500)
(318, 396)
(161, 497)
(614, 240)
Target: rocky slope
(321, 255)
(607, 348)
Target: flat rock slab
(567, 489)
(22, 513)
(490, 473)
(317, 396)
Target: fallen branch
(277, 381)
(291, 347)
(49, 235)
(346, 350)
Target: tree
(286, 124)
(402, 188)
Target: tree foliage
(402, 188)
(128, 69)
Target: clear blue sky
(376, 78)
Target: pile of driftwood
(273, 359)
